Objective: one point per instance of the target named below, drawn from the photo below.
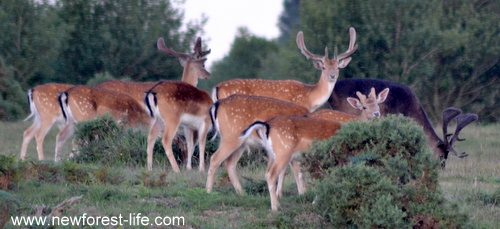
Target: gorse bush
(379, 174)
(103, 141)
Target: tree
(289, 20)
(32, 35)
(120, 38)
(447, 51)
(244, 59)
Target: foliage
(379, 174)
(13, 102)
(8, 206)
(244, 59)
(99, 78)
(9, 172)
(447, 49)
(70, 41)
(103, 141)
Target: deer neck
(189, 76)
(320, 92)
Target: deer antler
(462, 121)
(162, 47)
(448, 115)
(198, 53)
(352, 48)
(305, 52)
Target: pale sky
(226, 16)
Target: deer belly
(192, 121)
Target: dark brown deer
(402, 100)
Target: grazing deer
(285, 136)
(402, 100)
(309, 96)
(232, 115)
(194, 69)
(82, 103)
(172, 104)
(45, 112)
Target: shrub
(9, 172)
(379, 174)
(359, 195)
(103, 141)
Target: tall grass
(470, 183)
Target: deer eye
(364, 108)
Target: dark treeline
(77, 41)
(448, 51)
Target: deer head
(329, 67)
(194, 63)
(369, 106)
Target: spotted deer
(173, 104)
(83, 103)
(284, 137)
(232, 115)
(45, 112)
(309, 96)
(194, 69)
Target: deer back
(178, 97)
(236, 112)
(86, 103)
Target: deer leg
(202, 137)
(281, 179)
(226, 148)
(189, 133)
(27, 136)
(40, 136)
(273, 171)
(154, 130)
(168, 136)
(62, 137)
(231, 162)
(296, 169)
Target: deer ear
(318, 64)
(382, 95)
(343, 63)
(354, 103)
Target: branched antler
(352, 48)
(198, 53)
(462, 121)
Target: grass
(470, 183)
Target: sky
(226, 16)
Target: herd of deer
(277, 115)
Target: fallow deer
(402, 100)
(194, 69)
(172, 104)
(284, 137)
(82, 103)
(309, 96)
(232, 115)
(45, 112)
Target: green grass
(109, 191)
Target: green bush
(103, 141)
(379, 174)
(359, 195)
(13, 102)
